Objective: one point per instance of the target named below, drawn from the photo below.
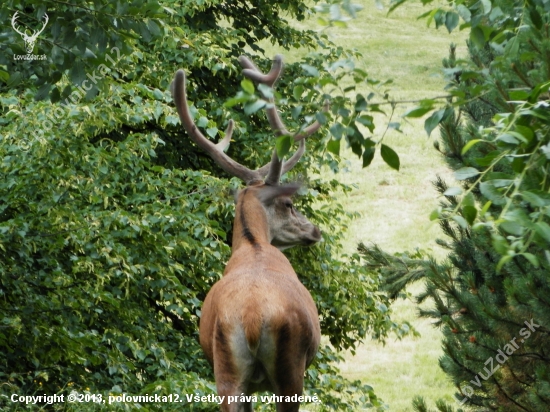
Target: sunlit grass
(395, 206)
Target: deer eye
(288, 204)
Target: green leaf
(477, 36)
(253, 107)
(543, 229)
(496, 13)
(487, 6)
(512, 47)
(295, 111)
(513, 228)
(464, 12)
(297, 92)
(434, 215)
(469, 213)
(267, 92)
(77, 73)
(340, 23)
(333, 146)
(485, 208)
(368, 155)
(4, 76)
(212, 131)
(14, 80)
(466, 173)
(247, 86)
(236, 100)
(503, 261)
(282, 145)
(431, 122)
(417, 111)
(312, 71)
(525, 132)
(154, 28)
(453, 191)
(535, 16)
(55, 95)
(500, 244)
(395, 126)
(322, 22)
(367, 121)
(534, 199)
(202, 122)
(508, 138)
(469, 145)
(451, 20)
(489, 190)
(468, 200)
(389, 156)
(158, 95)
(531, 258)
(337, 130)
(43, 92)
(439, 18)
(361, 103)
(461, 221)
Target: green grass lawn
(395, 206)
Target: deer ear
(268, 193)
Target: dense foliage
(491, 296)
(113, 226)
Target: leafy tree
(491, 295)
(113, 226)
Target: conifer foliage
(491, 296)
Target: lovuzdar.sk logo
(29, 39)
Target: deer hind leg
(231, 372)
(290, 365)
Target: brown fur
(265, 317)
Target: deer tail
(252, 325)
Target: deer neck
(250, 227)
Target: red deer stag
(259, 327)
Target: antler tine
(269, 79)
(275, 168)
(312, 128)
(289, 164)
(13, 20)
(274, 172)
(253, 73)
(214, 151)
(223, 144)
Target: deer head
(286, 225)
(30, 41)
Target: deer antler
(215, 151)
(276, 168)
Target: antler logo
(30, 41)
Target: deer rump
(264, 333)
